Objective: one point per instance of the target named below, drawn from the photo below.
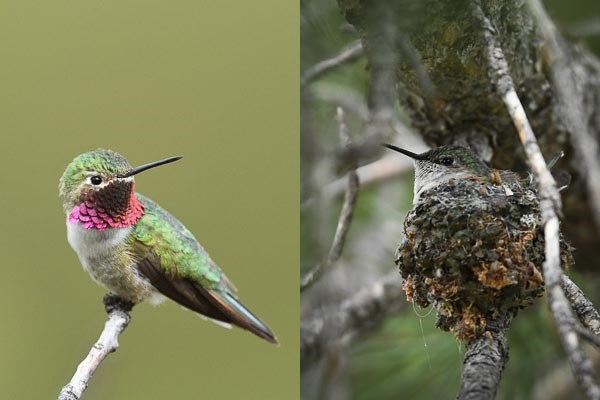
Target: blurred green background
(215, 82)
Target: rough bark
(583, 307)
(484, 362)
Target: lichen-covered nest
(475, 251)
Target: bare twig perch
(345, 218)
(118, 319)
(348, 54)
(550, 206)
(350, 198)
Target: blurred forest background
(397, 352)
(150, 79)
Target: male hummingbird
(136, 249)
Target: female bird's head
(438, 165)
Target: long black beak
(412, 155)
(144, 167)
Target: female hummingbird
(437, 166)
(136, 249)
(473, 243)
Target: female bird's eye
(96, 180)
(447, 161)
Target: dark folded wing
(180, 290)
(217, 304)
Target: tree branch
(569, 83)
(345, 218)
(583, 307)
(465, 105)
(382, 36)
(464, 108)
(384, 169)
(484, 362)
(557, 383)
(340, 96)
(549, 205)
(118, 319)
(348, 54)
(587, 335)
(365, 309)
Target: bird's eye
(447, 161)
(96, 180)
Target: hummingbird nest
(474, 250)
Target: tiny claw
(112, 303)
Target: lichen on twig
(550, 206)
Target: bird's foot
(112, 302)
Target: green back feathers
(181, 269)
(159, 234)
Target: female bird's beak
(412, 155)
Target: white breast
(424, 182)
(102, 256)
(92, 243)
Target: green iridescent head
(93, 171)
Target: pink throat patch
(91, 216)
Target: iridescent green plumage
(160, 234)
(136, 249)
(179, 267)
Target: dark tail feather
(238, 314)
(215, 304)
